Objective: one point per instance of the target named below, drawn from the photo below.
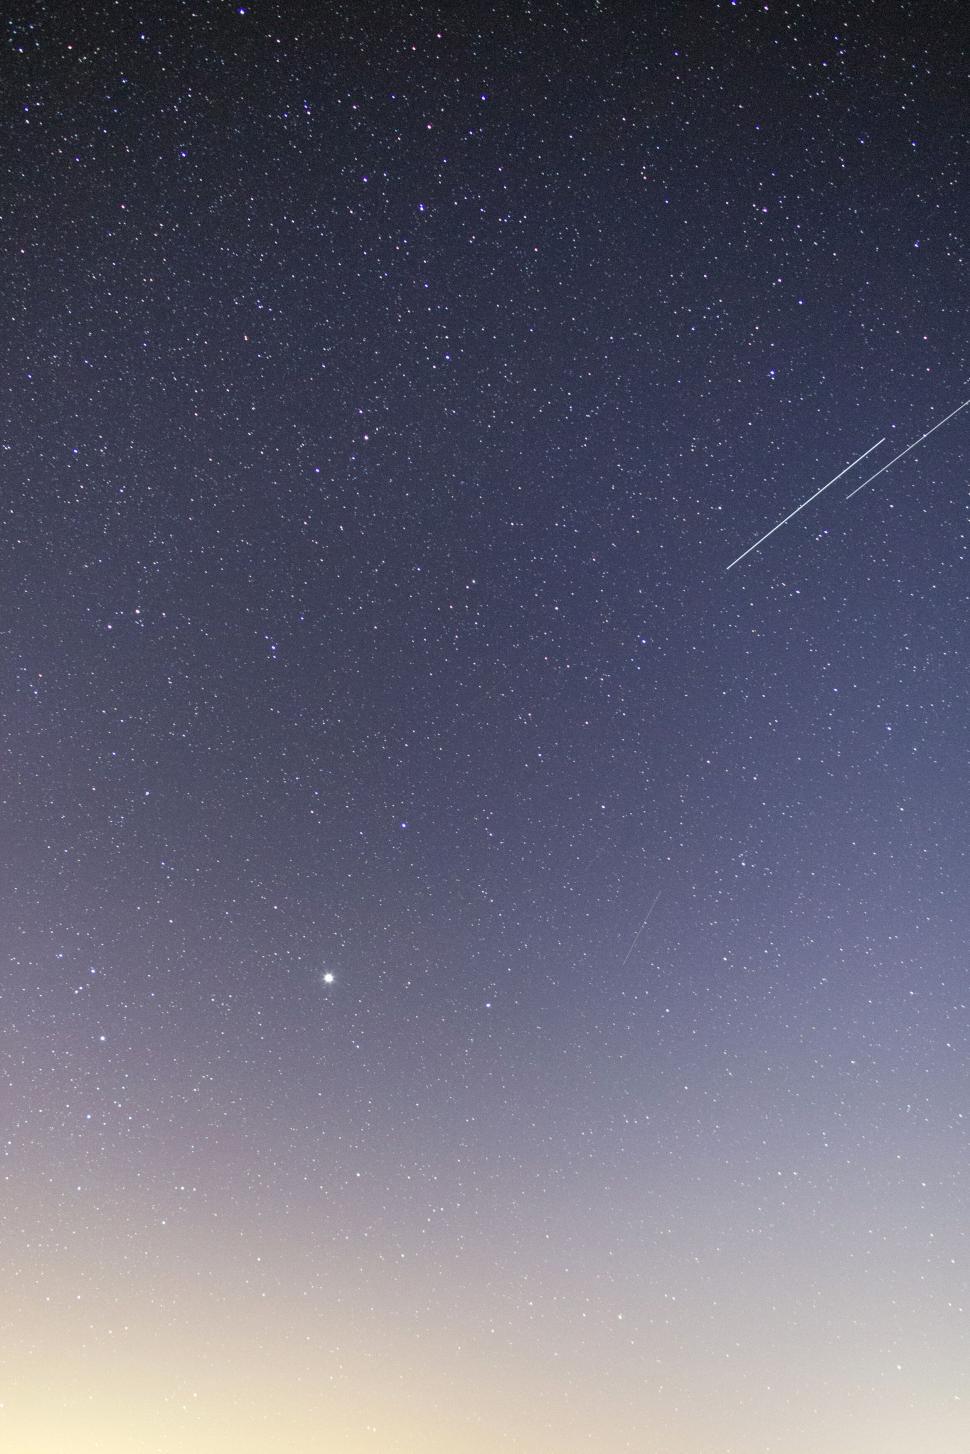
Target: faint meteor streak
(641, 929)
(815, 497)
(907, 450)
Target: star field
(483, 966)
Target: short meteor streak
(907, 450)
(813, 497)
(636, 936)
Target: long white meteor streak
(907, 450)
(809, 500)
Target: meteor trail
(641, 929)
(815, 497)
(906, 450)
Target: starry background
(386, 391)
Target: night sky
(479, 974)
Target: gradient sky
(387, 391)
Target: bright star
(328, 978)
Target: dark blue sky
(386, 394)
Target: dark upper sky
(387, 390)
